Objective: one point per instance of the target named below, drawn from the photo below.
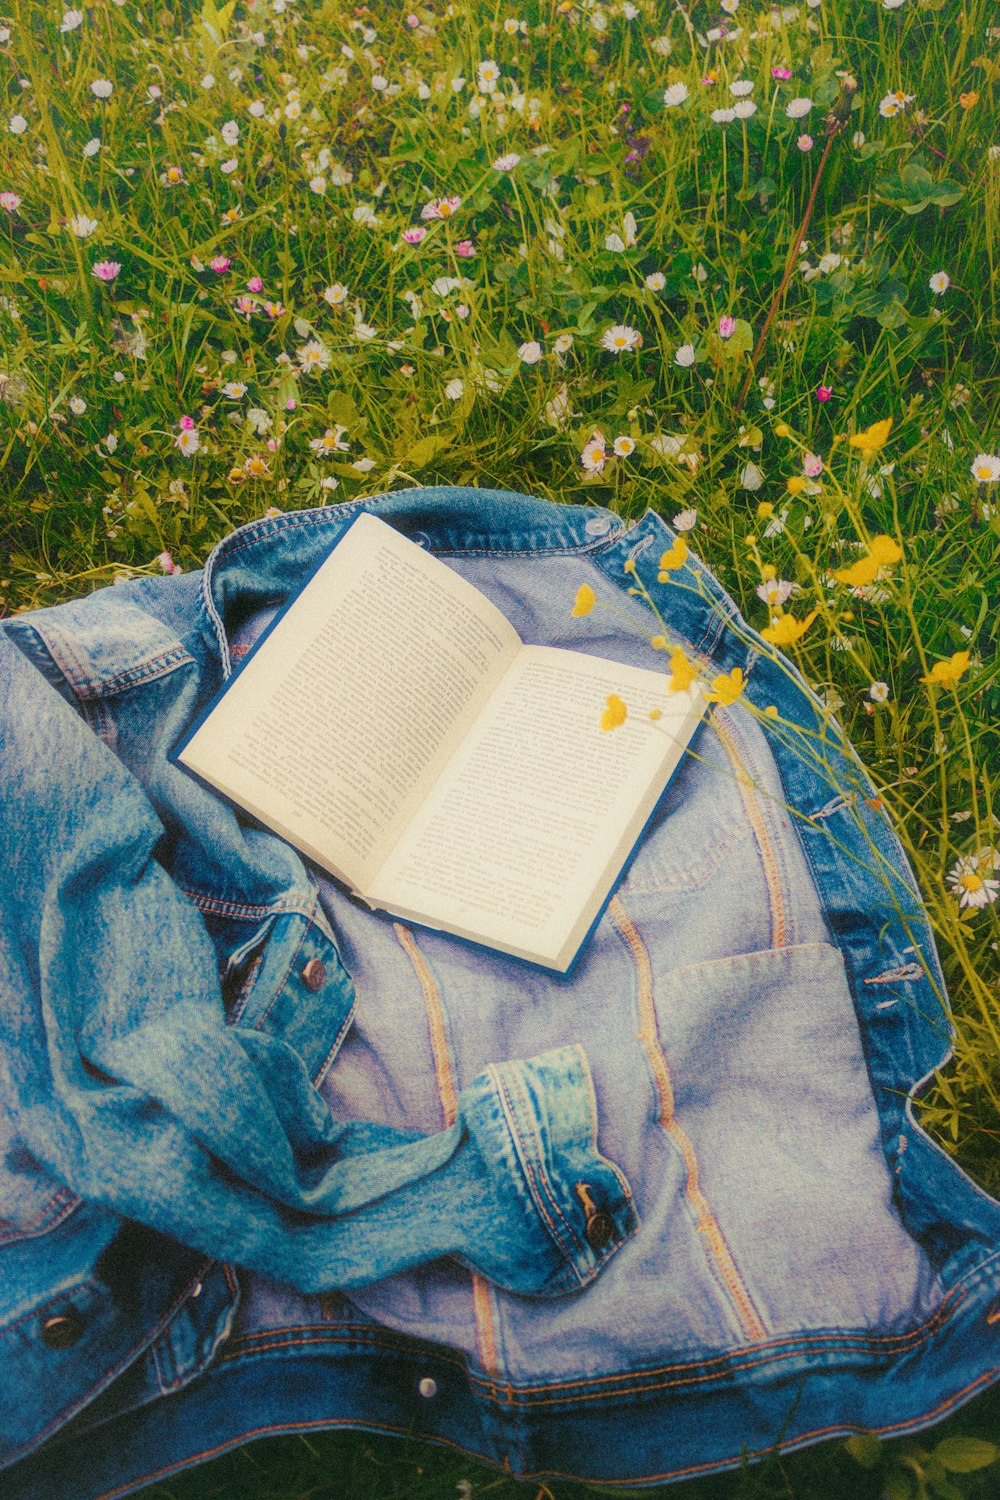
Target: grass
(324, 356)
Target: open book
(393, 727)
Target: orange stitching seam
(648, 1036)
(748, 796)
(482, 1308)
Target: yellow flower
(795, 485)
(788, 629)
(682, 671)
(859, 574)
(873, 439)
(585, 600)
(969, 99)
(655, 713)
(659, 643)
(765, 509)
(946, 673)
(727, 687)
(615, 713)
(771, 711)
(885, 550)
(882, 552)
(674, 557)
(782, 429)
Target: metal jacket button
(600, 1230)
(314, 973)
(61, 1331)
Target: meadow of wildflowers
(271, 254)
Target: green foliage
(912, 189)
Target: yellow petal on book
(615, 713)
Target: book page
(335, 728)
(530, 823)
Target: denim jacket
(625, 1224)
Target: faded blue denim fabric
(792, 1258)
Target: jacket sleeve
(121, 1076)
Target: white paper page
(337, 726)
(532, 811)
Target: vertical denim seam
(59, 646)
(447, 1093)
(748, 796)
(706, 1222)
(482, 1309)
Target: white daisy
(313, 357)
(969, 881)
(595, 454)
(621, 338)
(986, 468)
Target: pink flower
(412, 21)
(273, 309)
(220, 263)
(414, 234)
(813, 465)
(106, 270)
(727, 327)
(781, 72)
(255, 284)
(10, 201)
(824, 392)
(167, 563)
(440, 208)
(291, 404)
(186, 424)
(805, 142)
(247, 306)
(465, 248)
